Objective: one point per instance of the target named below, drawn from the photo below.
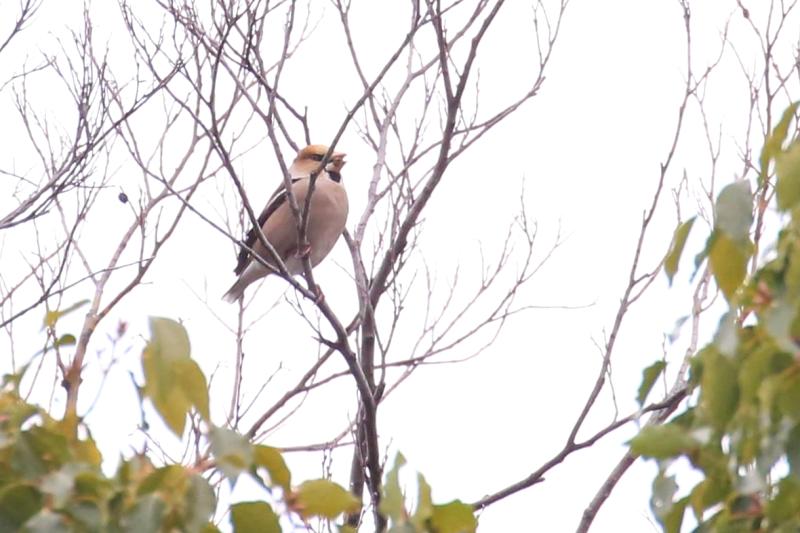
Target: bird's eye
(317, 157)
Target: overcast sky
(588, 150)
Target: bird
(327, 216)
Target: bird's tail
(236, 291)
(253, 272)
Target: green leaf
(58, 485)
(664, 490)
(51, 317)
(271, 459)
(769, 390)
(454, 517)
(320, 497)
(704, 495)
(673, 518)
(131, 471)
(734, 211)
(46, 521)
(720, 387)
(12, 381)
(67, 339)
(777, 319)
(789, 395)
(787, 502)
(675, 334)
(162, 479)
(392, 502)
(254, 517)
(774, 143)
(173, 382)
(673, 256)
(716, 486)
(169, 344)
(747, 445)
(233, 452)
(200, 502)
(728, 262)
(793, 451)
(147, 515)
(726, 339)
(18, 502)
(38, 451)
(792, 274)
(193, 382)
(15, 411)
(787, 168)
(86, 452)
(169, 339)
(91, 484)
(649, 377)
(424, 509)
(87, 514)
(757, 365)
(663, 442)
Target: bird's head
(309, 158)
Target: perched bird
(327, 215)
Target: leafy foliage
(254, 517)
(52, 481)
(453, 517)
(173, 381)
(320, 497)
(51, 478)
(743, 433)
(676, 248)
(649, 377)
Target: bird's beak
(337, 160)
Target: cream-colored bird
(327, 215)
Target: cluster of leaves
(453, 517)
(742, 434)
(51, 478)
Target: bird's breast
(328, 219)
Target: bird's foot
(319, 297)
(303, 251)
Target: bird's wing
(277, 199)
(280, 228)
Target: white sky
(588, 148)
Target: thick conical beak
(337, 160)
